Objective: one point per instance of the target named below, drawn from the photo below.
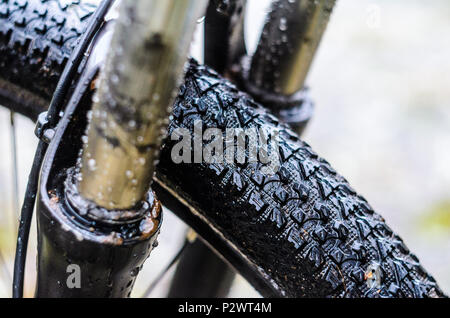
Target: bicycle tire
(36, 40)
(304, 231)
(304, 227)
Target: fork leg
(201, 274)
(276, 73)
(97, 218)
(224, 35)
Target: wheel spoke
(15, 189)
(14, 215)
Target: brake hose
(47, 122)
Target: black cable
(25, 221)
(54, 109)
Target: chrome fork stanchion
(135, 91)
(276, 73)
(288, 43)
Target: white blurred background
(381, 86)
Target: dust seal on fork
(95, 212)
(138, 224)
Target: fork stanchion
(276, 73)
(135, 91)
(288, 44)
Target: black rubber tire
(36, 40)
(305, 230)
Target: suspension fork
(276, 73)
(98, 217)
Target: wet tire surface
(304, 226)
(36, 40)
(309, 232)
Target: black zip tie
(45, 131)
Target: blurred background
(380, 82)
